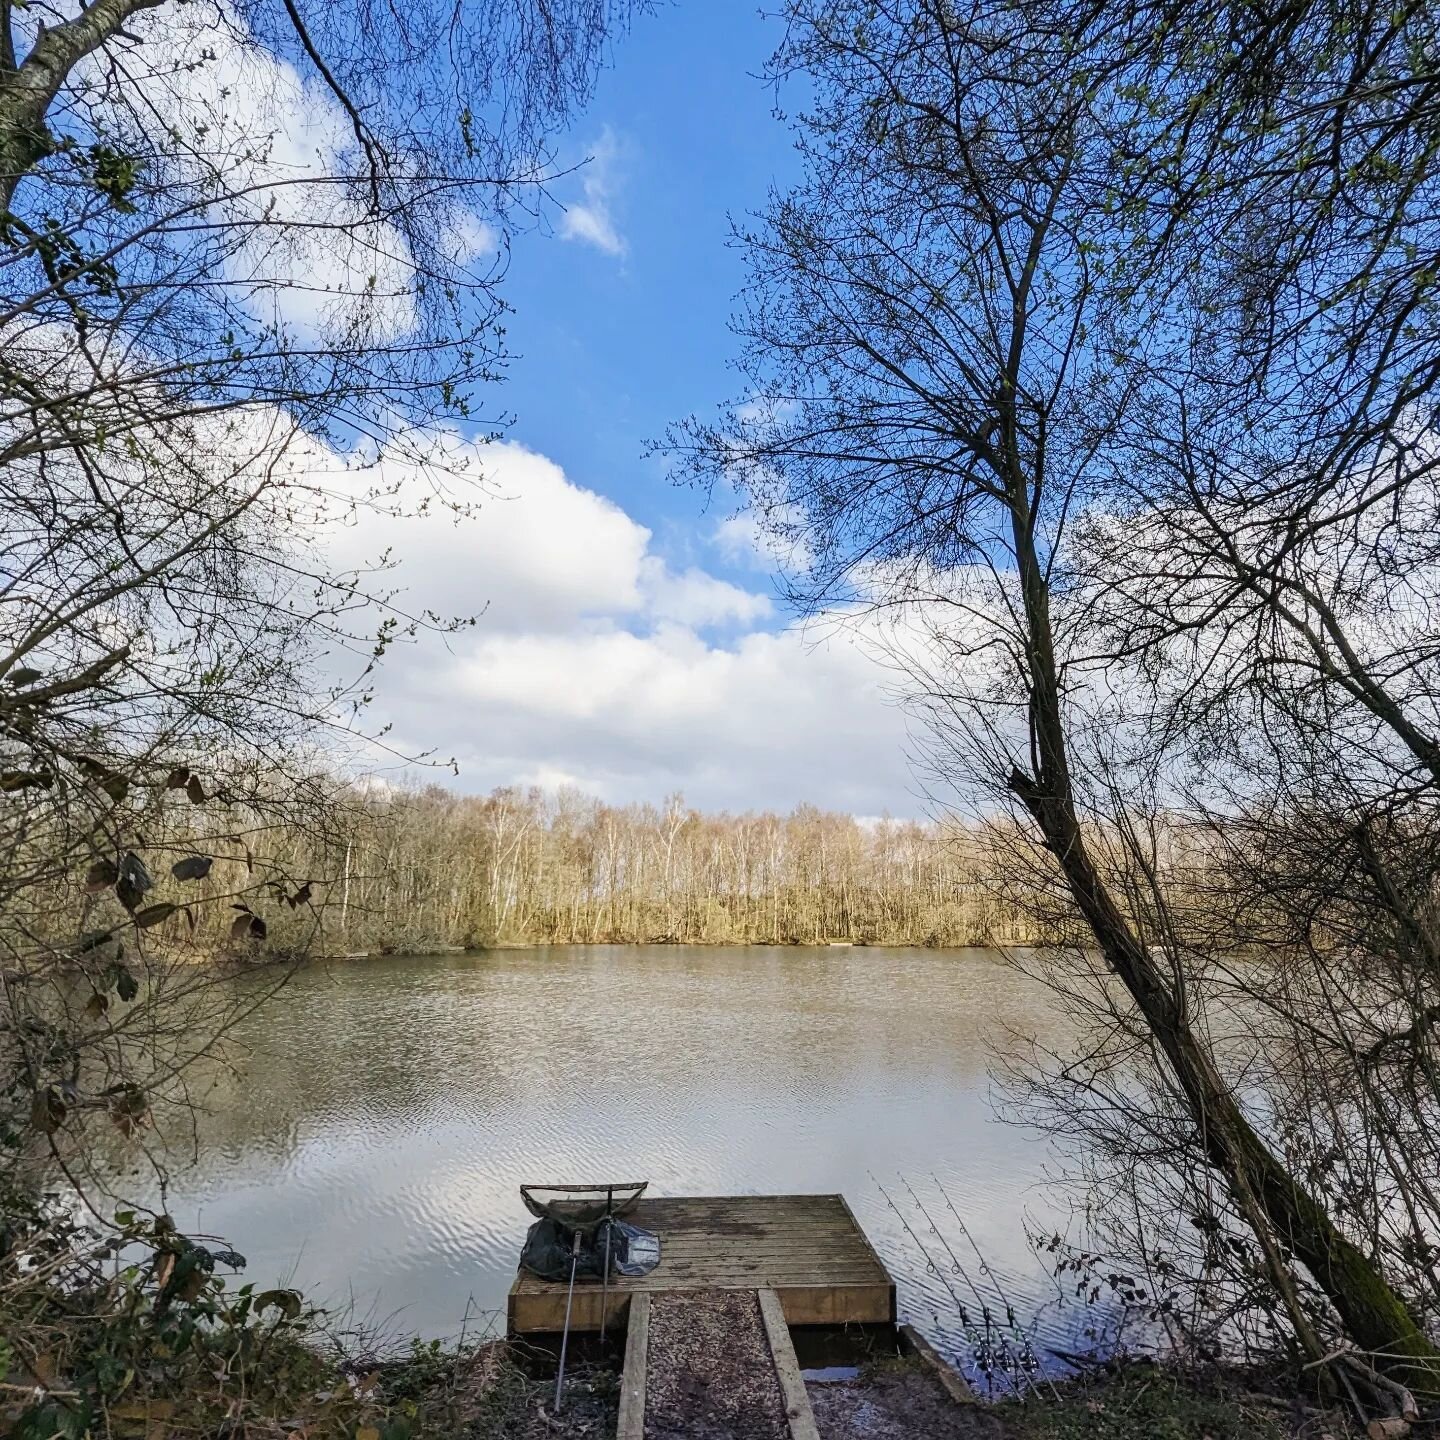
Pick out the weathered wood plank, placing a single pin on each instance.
(787, 1367)
(844, 1248)
(946, 1373)
(631, 1422)
(723, 1252)
(820, 1238)
(801, 1264)
(859, 1230)
(807, 1248)
(803, 1305)
(837, 1304)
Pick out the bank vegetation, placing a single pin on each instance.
(1091, 365)
(426, 869)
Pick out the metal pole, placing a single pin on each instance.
(565, 1338)
(605, 1278)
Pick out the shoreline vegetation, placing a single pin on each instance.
(387, 953)
(424, 871)
(171, 1348)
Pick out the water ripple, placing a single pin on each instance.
(371, 1142)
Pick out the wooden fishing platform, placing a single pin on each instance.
(806, 1249)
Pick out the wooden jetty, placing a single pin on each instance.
(757, 1263)
(806, 1249)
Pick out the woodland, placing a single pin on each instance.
(427, 870)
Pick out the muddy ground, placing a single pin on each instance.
(898, 1401)
(506, 1392)
(902, 1400)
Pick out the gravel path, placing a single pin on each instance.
(710, 1375)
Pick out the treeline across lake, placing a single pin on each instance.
(429, 869)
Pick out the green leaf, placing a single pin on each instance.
(53, 1420)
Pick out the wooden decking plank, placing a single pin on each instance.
(690, 1277)
(838, 1304)
(680, 1273)
(731, 1257)
(735, 1276)
(719, 1262)
(808, 1249)
(728, 1245)
(787, 1367)
(823, 1244)
(631, 1422)
(741, 1227)
(803, 1305)
(790, 1230)
(756, 1211)
(859, 1230)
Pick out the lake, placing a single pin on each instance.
(369, 1144)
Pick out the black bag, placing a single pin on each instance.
(550, 1247)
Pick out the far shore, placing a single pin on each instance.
(417, 954)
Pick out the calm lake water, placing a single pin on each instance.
(370, 1145)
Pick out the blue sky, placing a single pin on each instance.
(615, 346)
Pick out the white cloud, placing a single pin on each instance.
(694, 597)
(590, 220)
(276, 149)
(745, 539)
(597, 664)
(539, 555)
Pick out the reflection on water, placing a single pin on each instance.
(370, 1145)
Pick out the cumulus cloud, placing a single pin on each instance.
(276, 150)
(589, 220)
(597, 663)
(745, 539)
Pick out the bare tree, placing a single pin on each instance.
(249, 259)
(953, 328)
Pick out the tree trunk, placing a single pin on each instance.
(27, 90)
(1374, 1316)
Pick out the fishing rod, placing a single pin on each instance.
(609, 1223)
(565, 1337)
(1028, 1358)
(939, 1235)
(1008, 1363)
(982, 1349)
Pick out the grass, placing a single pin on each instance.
(1154, 1406)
